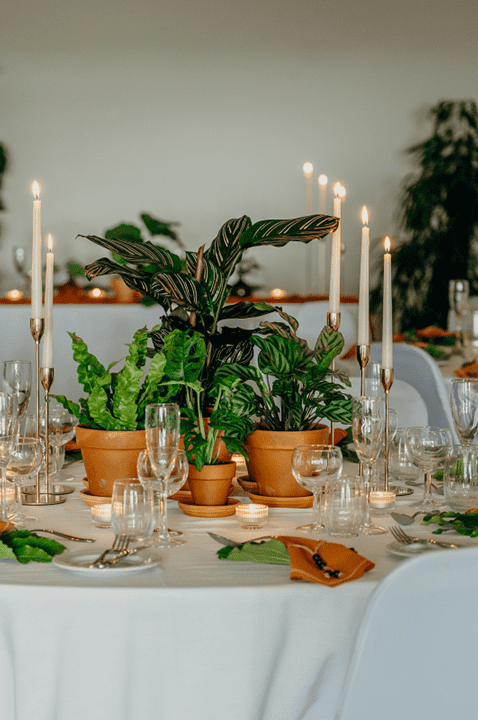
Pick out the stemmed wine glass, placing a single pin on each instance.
(464, 409)
(17, 380)
(25, 460)
(61, 429)
(428, 448)
(177, 479)
(162, 421)
(8, 433)
(368, 422)
(312, 467)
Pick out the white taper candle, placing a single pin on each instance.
(36, 284)
(387, 328)
(47, 346)
(363, 320)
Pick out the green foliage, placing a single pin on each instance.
(463, 524)
(195, 295)
(289, 389)
(117, 401)
(27, 546)
(438, 215)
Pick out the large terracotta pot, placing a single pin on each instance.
(109, 455)
(211, 485)
(270, 457)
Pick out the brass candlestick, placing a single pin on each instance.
(386, 377)
(333, 323)
(363, 356)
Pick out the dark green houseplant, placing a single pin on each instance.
(438, 217)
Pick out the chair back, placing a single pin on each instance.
(415, 653)
(409, 405)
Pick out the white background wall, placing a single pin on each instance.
(202, 110)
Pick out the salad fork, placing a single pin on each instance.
(120, 544)
(405, 539)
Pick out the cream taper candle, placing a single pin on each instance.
(334, 292)
(387, 328)
(363, 320)
(47, 348)
(36, 284)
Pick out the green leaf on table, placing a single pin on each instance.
(28, 546)
(6, 552)
(270, 551)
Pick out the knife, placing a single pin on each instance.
(233, 543)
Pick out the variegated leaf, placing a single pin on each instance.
(139, 253)
(213, 279)
(240, 310)
(280, 232)
(191, 261)
(329, 340)
(180, 289)
(134, 278)
(225, 249)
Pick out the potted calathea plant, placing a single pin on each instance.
(111, 431)
(289, 392)
(195, 295)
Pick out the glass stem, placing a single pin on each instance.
(427, 488)
(3, 499)
(17, 505)
(316, 511)
(366, 478)
(163, 514)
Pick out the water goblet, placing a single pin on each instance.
(176, 480)
(428, 448)
(61, 429)
(25, 461)
(162, 421)
(464, 409)
(17, 380)
(8, 433)
(313, 466)
(368, 421)
(132, 508)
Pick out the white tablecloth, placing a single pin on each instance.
(198, 637)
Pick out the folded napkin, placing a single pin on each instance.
(468, 371)
(434, 332)
(312, 560)
(5, 526)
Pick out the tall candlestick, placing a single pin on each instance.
(364, 322)
(323, 180)
(36, 284)
(334, 293)
(387, 328)
(47, 350)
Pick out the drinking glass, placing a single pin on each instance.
(464, 409)
(312, 467)
(177, 479)
(17, 380)
(373, 384)
(132, 508)
(401, 467)
(378, 471)
(61, 429)
(25, 460)
(428, 447)
(460, 488)
(162, 422)
(8, 432)
(368, 415)
(344, 506)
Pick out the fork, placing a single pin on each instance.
(405, 539)
(120, 544)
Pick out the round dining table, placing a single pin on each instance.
(190, 637)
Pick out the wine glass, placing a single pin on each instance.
(162, 421)
(464, 409)
(177, 479)
(132, 508)
(368, 420)
(428, 447)
(61, 429)
(25, 460)
(312, 467)
(8, 433)
(17, 380)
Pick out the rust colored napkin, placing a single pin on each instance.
(324, 562)
(468, 371)
(434, 332)
(5, 526)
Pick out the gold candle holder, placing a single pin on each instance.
(363, 356)
(387, 376)
(333, 323)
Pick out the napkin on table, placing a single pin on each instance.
(468, 371)
(312, 560)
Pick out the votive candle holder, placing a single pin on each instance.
(101, 515)
(252, 515)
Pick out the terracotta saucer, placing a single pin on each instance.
(181, 495)
(90, 499)
(247, 484)
(282, 502)
(209, 511)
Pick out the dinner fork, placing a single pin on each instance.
(120, 544)
(405, 539)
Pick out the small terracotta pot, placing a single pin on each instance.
(109, 455)
(211, 485)
(270, 458)
(223, 457)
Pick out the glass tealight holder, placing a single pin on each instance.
(381, 502)
(252, 515)
(101, 515)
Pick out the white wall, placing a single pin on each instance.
(202, 110)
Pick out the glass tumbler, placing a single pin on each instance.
(459, 487)
(344, 506)
(132, 508)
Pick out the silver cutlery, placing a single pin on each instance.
(233, 543)
(405, 539)
(62, 534)
(121, 554)
(120, 544)
(404, 519)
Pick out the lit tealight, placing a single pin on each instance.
(252, 515)
(101, 515)
(14, 295)
(96, 293)
(381, 501)
(277, 293)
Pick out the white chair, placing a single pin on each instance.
(419, 369)
(313, 316)
(409, 405)
(415, 654)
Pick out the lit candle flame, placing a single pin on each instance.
(364, 215)
(387, 244)
(49, 242)
(337, 187)
(323, 180)
(342, 191)
(308, 169)
(36, 190)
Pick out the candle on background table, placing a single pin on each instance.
(47, 349)
(36, 283)
(308, 169)
(323, 180)
(334, 293)
(364, 322)
(387, 327)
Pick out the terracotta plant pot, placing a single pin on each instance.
(109, 455)
(211, 485)
(270, 457)
(224, 455)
